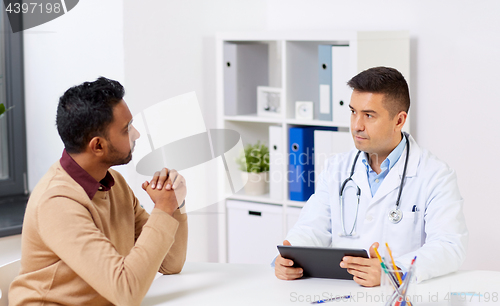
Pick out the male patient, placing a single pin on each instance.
(86, 239)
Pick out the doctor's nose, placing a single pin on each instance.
(357, 123)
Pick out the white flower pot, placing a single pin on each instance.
(257, 184)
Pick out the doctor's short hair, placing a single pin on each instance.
(387, 81)
(85, 111)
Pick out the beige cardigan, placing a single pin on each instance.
(77, 251)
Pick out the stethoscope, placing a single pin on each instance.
(395, 215)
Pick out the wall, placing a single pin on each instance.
(57, 55)
(454, 73)
(170, 50)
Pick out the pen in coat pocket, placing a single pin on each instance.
(414, 210)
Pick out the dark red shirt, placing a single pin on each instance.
(83, 178)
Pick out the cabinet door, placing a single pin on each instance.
(254, 231)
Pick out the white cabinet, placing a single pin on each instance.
(289, 61)
(254, 230)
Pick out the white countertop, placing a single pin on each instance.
(245, 284)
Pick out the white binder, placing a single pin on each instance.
(324, 108)
(341, 93)
(246, 66)
(277, 162)
(326, 145)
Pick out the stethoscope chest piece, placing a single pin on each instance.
(395, 215)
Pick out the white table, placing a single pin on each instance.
(240, 284)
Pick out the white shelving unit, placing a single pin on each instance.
(293, 66)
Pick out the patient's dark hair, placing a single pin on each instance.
(387, 81)
(85, 111)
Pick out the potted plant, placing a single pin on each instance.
(253, 161)
(2, 109)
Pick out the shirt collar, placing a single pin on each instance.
(83, 178)
(391, 159)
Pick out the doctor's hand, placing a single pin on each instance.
(366, 271)
(283, 268)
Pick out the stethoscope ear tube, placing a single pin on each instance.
(341, 192)
(395, 215)
(404, 171)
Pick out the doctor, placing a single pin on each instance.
(427, 221)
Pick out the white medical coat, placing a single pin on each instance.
(436, 233)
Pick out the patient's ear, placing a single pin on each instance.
(97, 146)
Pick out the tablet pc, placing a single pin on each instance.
(320, 262)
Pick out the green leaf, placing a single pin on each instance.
(2, 108)
(254, 158)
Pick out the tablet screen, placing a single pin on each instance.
(320, 262)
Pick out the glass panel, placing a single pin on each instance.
(4, 157)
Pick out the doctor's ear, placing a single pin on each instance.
(401, 119)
